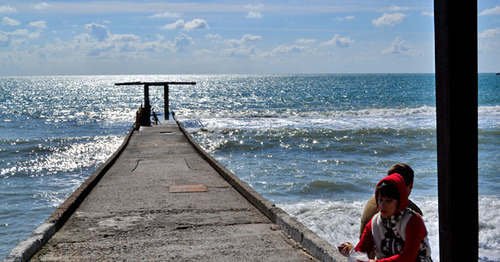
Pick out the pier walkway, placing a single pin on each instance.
(160, 199)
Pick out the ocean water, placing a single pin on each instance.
(316, 145)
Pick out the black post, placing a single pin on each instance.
(146, 114)
(145, 119)
(165, 94)
(146, 96)
(456, 110)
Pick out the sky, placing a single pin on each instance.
(228, 37)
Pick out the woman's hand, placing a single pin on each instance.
(345, 248)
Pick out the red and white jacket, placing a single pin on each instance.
(402, 237)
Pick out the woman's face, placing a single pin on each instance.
(387, 206)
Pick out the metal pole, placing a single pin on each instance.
(146, 115)
(456, 110)
(165, 94)
(146, 96)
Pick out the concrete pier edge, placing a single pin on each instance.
(27, 248)
(313, 244)
(316, 246)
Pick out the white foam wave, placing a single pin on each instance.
(286, 113)
(339, 221)
(423, 111)
(489, 110)
(336, 123)
(422, 117)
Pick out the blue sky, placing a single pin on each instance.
(192, 37)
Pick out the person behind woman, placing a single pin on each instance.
(395, 233)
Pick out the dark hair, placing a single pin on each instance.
(387, 189)
(404, 170)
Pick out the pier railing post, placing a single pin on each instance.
(165, 94)
(146, 113)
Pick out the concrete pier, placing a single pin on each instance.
(161, 198)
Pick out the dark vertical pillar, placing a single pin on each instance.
(165, 94)
(146, 114)
(146, 96)
(456, 108)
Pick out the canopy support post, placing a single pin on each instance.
(455, 28)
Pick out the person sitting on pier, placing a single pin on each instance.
(395, 233)
(155, 117)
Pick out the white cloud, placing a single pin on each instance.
(179, 24)
(7, 9)
(98, 50)
(97, 31)
(124, 38)
(213, 36)
(338, 41)
(397, 47)
(4, 39)
(305, 41)
(431, 14)
(17, 37)
(245, 39)
(10, 21)
(389, 19)
(38, 24)
(82, 46)
(124, 45)
(156, 46)
(254, 11)
(34, 35)
(490, 33)
(254, 15)
(284, 49)
(254, 7)
(492, 11)
(108, 42)
(349, 17)
(195, 24)
(40, 6)
(240, 51)
(251, 38)
(239, 46)
(488, 40)
(181, 42)
(204, 52)
(395, 8)
(20, 32)
(165, 15)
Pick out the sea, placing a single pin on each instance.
(315, 145)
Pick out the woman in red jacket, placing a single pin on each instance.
(395, 233)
